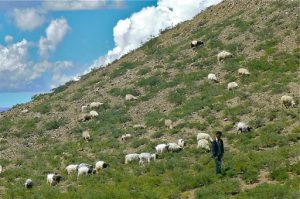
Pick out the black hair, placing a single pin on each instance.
(219, 133)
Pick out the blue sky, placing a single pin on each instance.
(44, 44)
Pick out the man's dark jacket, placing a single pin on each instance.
(217, 151)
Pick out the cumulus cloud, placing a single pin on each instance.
(8, 39)
(28, 19)
(132, 32)
(74, 4)
(19, 73)
(55, 33)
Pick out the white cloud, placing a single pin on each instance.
(8, 39)
(28, 19)
(132, 32)
(74, 4)
(55, 33)
(19, 73)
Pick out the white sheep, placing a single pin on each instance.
(232, 85)
(85, 170)
(94, 114)
(161, 148)
(174, 147)
(84, 108)
(100, 165)
(129, 97)
(181, 143)
(204, 136)
(196, 43)
(212, 77)
(242, 127)
(203, 143)
(95, 104)
(287, 101)
(147, 157)
(243, 71)
(1, 169)
(53, 179)
(169, 124)
(72, 168)
(223, 55)
(28, 184)
(126, 136)
(84, 117)
(139, 126)
(86, 135)
(131, 157)
(25, 111)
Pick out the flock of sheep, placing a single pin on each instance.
(203, 140)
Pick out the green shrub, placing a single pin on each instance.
(124, 67)
(42, 108)
(144, 71)
(177, 97)
(54, 124)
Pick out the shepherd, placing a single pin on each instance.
(218, 151)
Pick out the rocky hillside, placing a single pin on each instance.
(170, 80)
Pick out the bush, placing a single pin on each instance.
(54, 124)
(42, 108)
(177, 96)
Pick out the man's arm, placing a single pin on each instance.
(213, 149)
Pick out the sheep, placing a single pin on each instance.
(169, 124)
(232, 86)
(94, 114)
(126, 136)
(204, 136)
(25, 111)
(72, 168)
(129, 97)
(223, 55)
(287, 101)
(84, 165)
(174, 147)
(243, 127)
(28, 184)
(161, 148)
(53, 179)
(203, 143)
(95, 104)
(100, 165)
(146, 156)
(181, 143)
(86, 135)
(212, 77)
(243, 71)
(85, 170)
(196, 43)
(84, 117)
(139, 126)
(1, 169)
(131, 157)
(84, 108)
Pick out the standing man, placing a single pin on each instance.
(218, 151)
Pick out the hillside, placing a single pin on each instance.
(170, 79)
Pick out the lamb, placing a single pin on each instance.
(232, 86)
(131, 157)
(287, 101)
(84, 117)
(174, 147)
(100, 165)
(126, 136)
(204, 136)
(243, 127)
(203, 144)
(53, 179)
(72, 168)
(129, 97)
(85, 170)
(139, 126)
(95, 104)
(169, 124)
(196, 43)
(243, 71)
(28, 184)
(94, 114)
(161, 148)
(223, 55)
(212, 77)
(181, 143)
(86, 135)
(146, 156)
(84, 108)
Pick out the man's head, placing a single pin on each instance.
(218, 134)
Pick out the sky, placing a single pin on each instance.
(46, 43)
